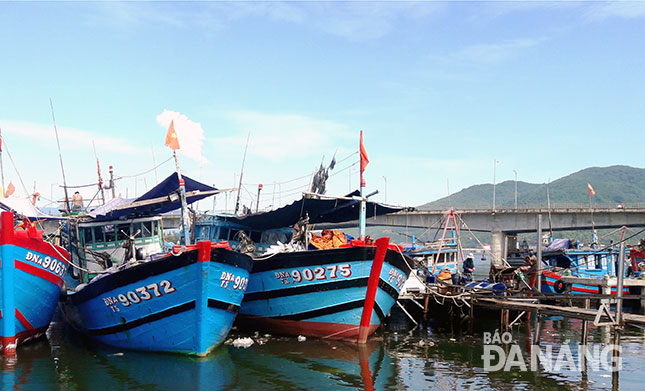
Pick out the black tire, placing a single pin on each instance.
(559, 286)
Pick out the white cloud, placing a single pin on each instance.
(356, 21)
(190, 134)
(70, 138)
(618, 9)
(278, 136)
(492, 53)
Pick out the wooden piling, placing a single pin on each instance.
(426, 304)
(537, 328)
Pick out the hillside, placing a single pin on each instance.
(613, 185)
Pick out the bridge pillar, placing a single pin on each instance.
(497, 247)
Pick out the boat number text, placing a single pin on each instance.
(48, 263)
(138, 295)
(397, 279)
(238, 282)
(318, 273)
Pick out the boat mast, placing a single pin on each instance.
(182, 194)
(361, 219)
(237, 201)
(60, 157)
(1, 166)
(98, 170)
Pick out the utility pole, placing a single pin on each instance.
(515, 172)
(495, 161)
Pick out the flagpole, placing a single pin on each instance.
(361, 224)
(182, 195)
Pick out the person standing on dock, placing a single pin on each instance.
(469, 267)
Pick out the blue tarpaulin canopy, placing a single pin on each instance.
(160, 199)
(319, 211)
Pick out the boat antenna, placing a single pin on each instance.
(60, 157)
(548, 206)
(237, 201)
(98, 170)
(154, 163)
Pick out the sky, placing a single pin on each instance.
(442, 91)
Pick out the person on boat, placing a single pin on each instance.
(469, 267)
(77, 202)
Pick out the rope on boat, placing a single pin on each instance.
(14, 167)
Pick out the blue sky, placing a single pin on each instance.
(441, 90)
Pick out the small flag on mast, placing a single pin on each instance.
(10, 189)
(364, 159)
(171, 137)
(591, 190)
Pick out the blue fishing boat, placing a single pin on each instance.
(337, 293)
(298, 289)
(566, 258)
(31, 277)
(183, 300)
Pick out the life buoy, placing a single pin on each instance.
(559, 286)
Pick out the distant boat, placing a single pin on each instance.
(316, 292)
(181, 301)
(564, 258)
(31, 277)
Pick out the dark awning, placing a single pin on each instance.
(319, 211)
(160, 199)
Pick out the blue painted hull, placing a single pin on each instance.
(175, 304)
(549, 280)
(321, 293)
(31, 272)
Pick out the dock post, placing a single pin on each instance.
(538, 247)
(619, 285)
(583, 341)
(426, 305)
(538, 329)
(615, 365)
(585, 327)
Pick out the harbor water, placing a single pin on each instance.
(443, 354)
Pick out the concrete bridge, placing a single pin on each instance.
(505, 224)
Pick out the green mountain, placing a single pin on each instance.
(613, 185)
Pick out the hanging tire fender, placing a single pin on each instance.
(559, 286)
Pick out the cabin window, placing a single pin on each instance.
(203, 233)
(256, 236)
(223, 233)
(123, 232)
(146, 229)
(234, 234)
(110, 235)
(98, 235)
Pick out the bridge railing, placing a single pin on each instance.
(554, 205)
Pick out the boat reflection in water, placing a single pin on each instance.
(314, 364)
(32, 369)
(69, 362)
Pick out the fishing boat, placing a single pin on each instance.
(31, 277)
(126, 289)
(295, 288)
(564, 257)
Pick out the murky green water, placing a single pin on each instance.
(445, 355)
